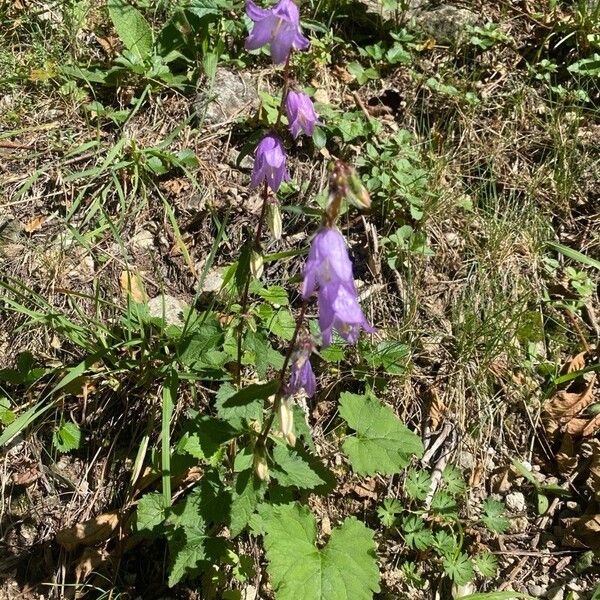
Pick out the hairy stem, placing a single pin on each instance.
(280, 389)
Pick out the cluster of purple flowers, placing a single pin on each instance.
(328, 269)
(280, 27)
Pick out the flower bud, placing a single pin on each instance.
(261, 468)
(357, 192)
(274, 219)
(256, 264)
(286, 416)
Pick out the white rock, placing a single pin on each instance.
(515, 502)
(168, 308)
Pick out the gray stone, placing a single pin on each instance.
(446, 24)
(515, 502)
(231, 95)
(168, 308)
(213, 281)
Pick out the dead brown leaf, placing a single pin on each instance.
(110, 44)
(35, 224)
(566, 457)
(436, 408)
(89, 561)
(26, 477)
(133, 284)
(90, 532)
(576, 363)
(583, 532)
(592, 427)
(564, 406)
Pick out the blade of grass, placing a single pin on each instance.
(169, 395)
(575, 255)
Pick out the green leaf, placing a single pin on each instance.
(291, 469)
(205, 436)
(459, 568)
(248, 490)
(455, 482)
(187, 552)
(382, 443)
(67, 437)
(444, 505)
(389, 511)
(345, 568)
(415, 533)
(444, 543)
(486, 563)
(131, 27)
(493, 516)
(576, 255)
(275, 295)
(240, 406)
(417, 484)
(151, 512)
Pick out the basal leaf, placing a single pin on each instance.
(150, 513)
(345, 568)
(382, 444)
(131, 27)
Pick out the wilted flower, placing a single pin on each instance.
(274, 218)
(269, 163)
(329, 268)
(302, 375)
(301, 113)
(278, 26)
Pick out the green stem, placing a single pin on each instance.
(168, 396)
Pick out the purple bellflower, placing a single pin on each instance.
(269, 163)
(302, 375)
(278, 26)
(329, 268)
(300, 113)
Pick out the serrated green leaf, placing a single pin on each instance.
(248, 490)
(150, 513)
(67, 437)
(291, 469)
(389, 511)
(444, 542)
(454, 480)
(493, 516)
(275, 295)
(459, 568)
(444, 504)
(238, 407)
(382, 443)
(417, 484)
(187, 554)
(131, 27)
(204, 436)
(486, 563)
(415, 533)
(209, 502)
(345, 568)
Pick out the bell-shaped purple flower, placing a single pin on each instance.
(300, 113)
(269, 163)
(302, 375)
(278, 26)
(339, 309)
(329, 269)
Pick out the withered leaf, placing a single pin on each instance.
(90, 532)
(583, 532)
(132, 284)
(566, 456)
(33, 225)
(89, 561)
